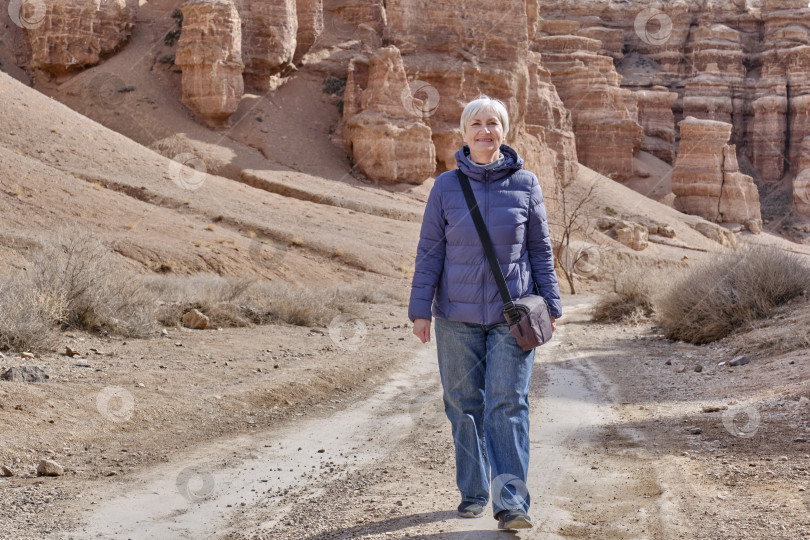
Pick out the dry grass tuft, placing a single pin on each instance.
(27, 317)
(630, 301)
(723, 295)
(94, 292)
(74, 282)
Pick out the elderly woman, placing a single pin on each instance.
(485, 374)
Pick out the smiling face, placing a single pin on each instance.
(484, 135)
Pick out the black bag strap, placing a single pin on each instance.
(508, 306)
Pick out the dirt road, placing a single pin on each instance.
(383, 468)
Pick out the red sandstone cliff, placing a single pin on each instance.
(590, 81)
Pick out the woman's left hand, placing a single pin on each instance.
(554, 324)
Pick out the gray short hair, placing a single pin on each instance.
(485, 102)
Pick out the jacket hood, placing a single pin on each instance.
(512, 162)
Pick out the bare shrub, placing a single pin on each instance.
(373, 294)
(631, 299)
(95, 294)
(27, 316)
(720, 296)
(241, 302)
(221, 299)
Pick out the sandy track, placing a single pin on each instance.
(384, 468)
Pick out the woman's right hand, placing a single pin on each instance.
(421, 329)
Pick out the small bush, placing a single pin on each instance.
(177, 15)
(723, 295)
(242, 302)
(171, 37)
(96, 295)
(333, 85)
(631, 299)
(27, 317)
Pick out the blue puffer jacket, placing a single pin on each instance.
(452, 274)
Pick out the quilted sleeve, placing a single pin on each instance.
(429, 256)
(541, 256)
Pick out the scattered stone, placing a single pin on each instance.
(804, 402)
(2, 356)
(164, 332)
(695, 431)
(800, 439)
(5, 471)
(71, 352)
(712, 409)
(196, 320)
(666, 231)
(680, 369)
(739, 361)
(606, 223)
(698, 368)
(754, 225)
(668, 363)
(27, 355)
(25, 374)
(632, 235)
(49, 467)
(82, 363)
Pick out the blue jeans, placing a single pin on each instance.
(485, 376)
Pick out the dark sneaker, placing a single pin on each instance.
(470, 510)
(511, 520)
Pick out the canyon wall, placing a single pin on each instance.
(453, 52)
(741, 62)
(69, 35)
(594, 81)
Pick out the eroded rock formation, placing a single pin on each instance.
(605, 116)
(706, 179)
(310, 26)
(269, 39)
(70, 35)
(454, 52)
(656, 118)
(388, 139)
(744, 62)
(801, 183)
(209, 53)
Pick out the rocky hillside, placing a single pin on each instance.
(338, 114)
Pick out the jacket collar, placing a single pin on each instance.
(512, 162)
